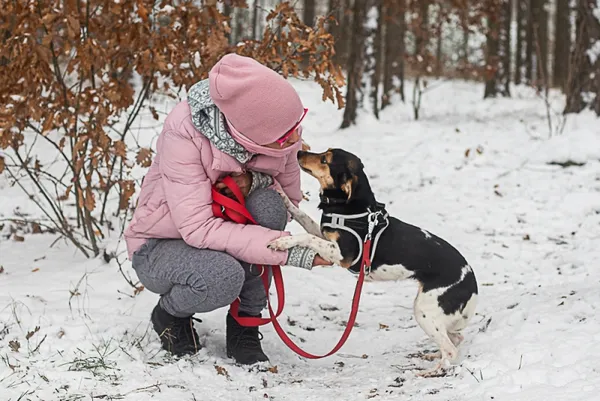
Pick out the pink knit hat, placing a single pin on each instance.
(259, 104)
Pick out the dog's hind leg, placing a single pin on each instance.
(311, 226)
(433, 321)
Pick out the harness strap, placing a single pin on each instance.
(340, 222)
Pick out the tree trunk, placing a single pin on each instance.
(336, 10)
(543, 39)
(498, 49)
(309, 12)
(395, 33)
(540, 42)
(228, 12)
(464, 16)
(522, 18)
(255, 19)
(562, 44)
(239, 24)
(355, 63)
(378, 58)
(529, 44)
(585, 74)
(343, 31)
(422, 33)
(438, 51)
(505, 46)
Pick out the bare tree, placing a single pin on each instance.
(255, 10)
(377, 56)
(529, 43)
(522, 20)
(395, 33)
(562, 44)
(309, 12)
(584, 83)
(539, 23)
(355, 64)
(341, 29)
(439, 31)
(498, 48)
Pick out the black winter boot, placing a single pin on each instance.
(177, 334)
(243, 343)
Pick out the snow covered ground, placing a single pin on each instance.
(475, 172)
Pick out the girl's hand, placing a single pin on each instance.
(319, 261)
(244, 181)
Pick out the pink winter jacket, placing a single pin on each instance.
(175, 199)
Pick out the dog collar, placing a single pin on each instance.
(332, 201)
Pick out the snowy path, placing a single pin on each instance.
(529, 229)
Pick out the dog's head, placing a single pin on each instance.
(335, 169)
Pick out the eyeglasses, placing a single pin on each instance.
(281, 141)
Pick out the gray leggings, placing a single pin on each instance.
(192, 280)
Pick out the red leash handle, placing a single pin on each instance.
(228, 209)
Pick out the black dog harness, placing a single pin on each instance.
(368, 225)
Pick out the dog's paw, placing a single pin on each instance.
(281, 244)
(332, 253)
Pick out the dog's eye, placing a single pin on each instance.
(323, 160)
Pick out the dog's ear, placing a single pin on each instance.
(355, 165)
(348, 183)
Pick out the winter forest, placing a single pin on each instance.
(478, 121)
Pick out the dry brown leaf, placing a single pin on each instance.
(144, 157)
(90, 200)
(36, 228)
(383, 326)
(127, 191)
(154, 113)
(120, 149)
(48, 124)
(142, 10)
(66, 194)
(222, 371)
(138, 289)
(31, 333)
(37, 269)
(18, 238)
(14, 345)
(273, 369)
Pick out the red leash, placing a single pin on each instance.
(236, 211)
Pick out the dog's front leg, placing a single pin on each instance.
(328, 250)
(311, 226)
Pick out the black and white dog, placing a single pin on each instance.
(447, 295)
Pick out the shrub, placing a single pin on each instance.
(75, 76)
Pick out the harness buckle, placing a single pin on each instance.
(372, 220)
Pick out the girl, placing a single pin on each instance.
(243, 121)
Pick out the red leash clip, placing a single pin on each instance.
(229, 209)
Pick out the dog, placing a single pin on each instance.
(447, 293)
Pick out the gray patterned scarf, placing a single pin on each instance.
(209, 120)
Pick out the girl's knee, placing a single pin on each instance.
(268, 209)
(225, 284)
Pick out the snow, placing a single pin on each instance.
(529, 229)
